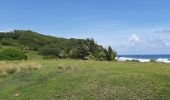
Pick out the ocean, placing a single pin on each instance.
(153, 57)
(145, 58)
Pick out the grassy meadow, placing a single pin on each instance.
(85, 80)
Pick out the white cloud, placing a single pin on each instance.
(159, 42)
(163, 31)
(134, 39)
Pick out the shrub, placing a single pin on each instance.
(80, 52)
(50, 50)
(62, 55)
(12, 54)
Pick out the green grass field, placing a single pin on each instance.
(88, 80)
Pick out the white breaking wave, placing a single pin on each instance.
(123, 59)
(131, 59)
(144, 60)
(163, 60)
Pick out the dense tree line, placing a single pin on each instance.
(58, 47)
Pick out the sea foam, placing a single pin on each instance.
(163, 60)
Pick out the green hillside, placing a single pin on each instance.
(54, 47)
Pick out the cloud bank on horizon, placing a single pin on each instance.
(130, 27)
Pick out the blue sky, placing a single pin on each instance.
(129, 26)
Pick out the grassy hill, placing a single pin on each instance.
(88, 80)
(54, 47)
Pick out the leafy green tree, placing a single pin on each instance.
(110, 54)
(80, 52)
(92, 46)
(99, 54)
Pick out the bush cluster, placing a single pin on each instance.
(12, 54)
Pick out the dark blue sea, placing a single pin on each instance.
(154, 57)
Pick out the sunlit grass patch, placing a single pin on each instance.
(11, 68)
(29, 65)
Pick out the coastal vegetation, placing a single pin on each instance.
(52, 47)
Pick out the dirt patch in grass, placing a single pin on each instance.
(64, 67)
